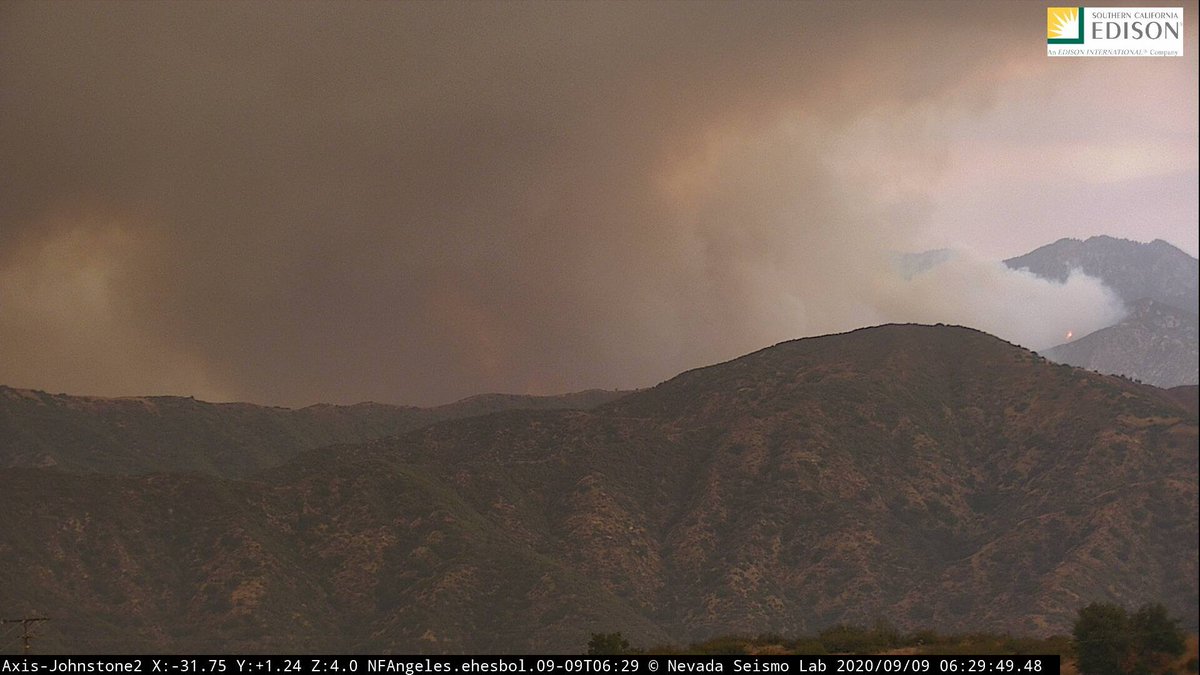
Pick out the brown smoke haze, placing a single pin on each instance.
(414, 202)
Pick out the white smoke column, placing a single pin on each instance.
(1012, 304)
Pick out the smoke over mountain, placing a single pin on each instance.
(413, 202)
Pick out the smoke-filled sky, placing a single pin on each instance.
(414, 202)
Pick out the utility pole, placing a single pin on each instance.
(26, 634)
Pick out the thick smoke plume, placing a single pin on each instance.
(410, 202)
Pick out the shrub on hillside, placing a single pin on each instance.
(1110, 641)
(607, 644)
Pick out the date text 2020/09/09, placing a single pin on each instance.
(629, 665)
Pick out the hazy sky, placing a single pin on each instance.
(413, 202)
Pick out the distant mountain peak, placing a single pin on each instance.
(1132, 269)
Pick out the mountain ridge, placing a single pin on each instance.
(140, 434)
(931, 475)
(1132, 269)
(1157, 341)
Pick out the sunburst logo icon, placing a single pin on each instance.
(1064, 25)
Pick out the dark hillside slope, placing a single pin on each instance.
(932, 476)
(1187, 396)
(169, 433)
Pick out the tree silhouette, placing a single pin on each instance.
(1101, 639)
(607, 644)
(1108, 641)
(1157, 638)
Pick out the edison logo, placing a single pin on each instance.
(1064, 25)
(1114, 31)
